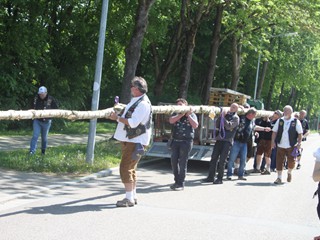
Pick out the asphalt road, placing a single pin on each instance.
(48, 207)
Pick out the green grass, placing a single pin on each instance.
(64, 160)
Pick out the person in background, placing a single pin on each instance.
(182, 142)
(287, 134)
(264, 146)
(316, 177)
(42, 101)
(239, 147)
(134, 133)
(306, 131)
(249, 146)
(224, 140)
(276, 115)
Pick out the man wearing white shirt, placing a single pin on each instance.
(134, 133)
(287, 134)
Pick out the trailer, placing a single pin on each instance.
(204, 140)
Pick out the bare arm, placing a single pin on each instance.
(273, 139)
(316, 172)
(194, 124)
(299, 140)
(175, 118)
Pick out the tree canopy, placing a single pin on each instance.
(182, 48)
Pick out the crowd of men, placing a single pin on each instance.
(278, 141)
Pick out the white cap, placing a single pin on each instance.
(42, 89)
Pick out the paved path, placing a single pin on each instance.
(23, 142)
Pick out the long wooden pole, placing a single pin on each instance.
(212, 111)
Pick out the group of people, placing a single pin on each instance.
(279, 136)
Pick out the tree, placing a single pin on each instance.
(133, 50)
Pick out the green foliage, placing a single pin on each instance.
(54, 43)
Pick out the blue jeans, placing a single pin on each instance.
(43, 128)
(240, 149)
(179, 160)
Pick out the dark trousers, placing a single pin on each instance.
(179, 160)
(218, 157)
(273, 158)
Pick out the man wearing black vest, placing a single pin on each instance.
(226, 127)
(134, 133)
(182, 135)
(42, 126)
(240, 146)
(287, 134)
(306, 131)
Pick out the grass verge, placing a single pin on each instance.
(64, 160)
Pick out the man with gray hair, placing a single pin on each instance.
(287, 134)
(134, 133)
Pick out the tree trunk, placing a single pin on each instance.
(191, 32)
(172, 54)
(280, 96)
(236, 62)
(133, 51)
(271, 88)
(292, 96)
(186, 68)
(213, 54)
(263, 77)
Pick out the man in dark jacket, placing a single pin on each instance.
(42, 125)
(226, 127)
(242, 136)
(182, 135)
(306, 131)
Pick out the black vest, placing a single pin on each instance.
(293, 135)
(182, 130)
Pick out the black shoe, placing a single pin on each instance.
(176, 187)
(218, 181)
(242, 178)
(173, 187)
(206, 180)
(298, 166)
(229, 178)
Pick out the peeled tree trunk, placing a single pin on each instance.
(212, 111)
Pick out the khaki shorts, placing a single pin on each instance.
(264, 147)
(282, 153)
(127, 165)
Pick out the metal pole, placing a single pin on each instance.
(257, 77)
(97, 82)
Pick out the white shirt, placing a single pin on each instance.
(285, 142)
(141, 115)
